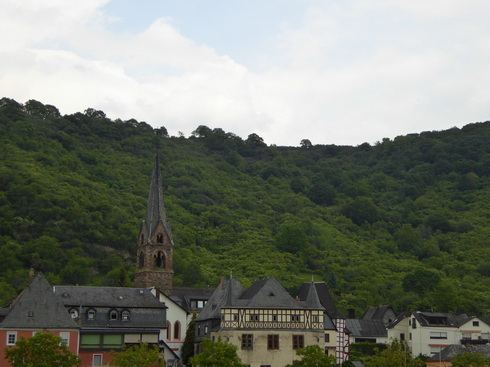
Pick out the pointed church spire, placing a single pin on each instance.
(154, 249)
(156, 209)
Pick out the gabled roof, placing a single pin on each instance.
(376, 313)
(183, 295)
(267, 293)
(366, 328)
(227, 292)
(448, 353)
(38, 307)
(324, 296)
(107, 297)
(434, 319)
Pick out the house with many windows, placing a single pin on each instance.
(429, 333)
(91, 321)
(266, 324)
(36, 309)
(111, 317)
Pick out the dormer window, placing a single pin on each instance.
(91, 315)
(73, 313)
(125, 315)
(113, 315)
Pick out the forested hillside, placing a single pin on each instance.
(404, 222)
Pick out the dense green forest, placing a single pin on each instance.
(403, 221)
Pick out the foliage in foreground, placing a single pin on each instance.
(396, 355)
(470, 360)
(313, 356)
(141, 355)
(216, 354)
(41, 350)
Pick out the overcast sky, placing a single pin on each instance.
(338, 72)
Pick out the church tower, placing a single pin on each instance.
(154, 249)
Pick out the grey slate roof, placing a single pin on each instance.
(312, 299)
(156, 209)
(38, 307)
(324, 296)
(146, 311)
(366, 328)
(264, 293)
(375, 313)
(183, 295)
(448, 353)
(427, 318)
(107, 297)
(229, 290)
(268, 293)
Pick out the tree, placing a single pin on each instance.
(190, 336)
(361, 210)
(216, 354)
(468, 359)
(305, 144)
(421, 280)
(141, 355)
(313, 356)
(396, 355)
(291, 238)
(42, 350)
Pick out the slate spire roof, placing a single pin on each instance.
(156, 208)
(312, 299)
(38, 307)
(324, 296)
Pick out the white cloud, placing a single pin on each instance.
(345, 74)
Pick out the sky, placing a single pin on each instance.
(340, 72)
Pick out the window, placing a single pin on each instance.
(247, 341)
(159, 259)
(197, 303)
(476, 323)
(294, 318)
(125, 315)
(327, 338)
(316, 318)
(91, 314)
(73, 313)
(402, 336)
(97, 360)
(414, 323)
(274, 317)
(11, 337)
(65, 338)
(438, 335)
(206, 330)
(273, 341)
(298, 341)
(90, 340)
(141, 260)
(113, 315)
(254, 317)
